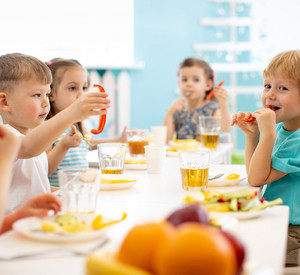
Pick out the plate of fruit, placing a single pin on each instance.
(65, 228)
(182, 243)
(227, 179)
(242, 204)
(135, 163)
(116, 182)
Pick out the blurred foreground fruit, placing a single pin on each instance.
(107, 264)
(195, 249)
(239, 248)
(190, 213)
(141, 243)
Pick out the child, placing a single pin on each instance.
(70, 81)
(37, 206)
(196, 79)
(24, 105)
(272, 153)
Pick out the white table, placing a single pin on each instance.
(221, 155)
(154, 197)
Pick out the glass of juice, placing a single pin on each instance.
(210, 127)
(111, 157)
(137, 139)
(194, 165)
(79, 190)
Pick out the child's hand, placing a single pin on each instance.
(73, 138)
(266, 120)
(240, 119)
(89, 104)
(177, 105)
(39, 206)
(9, 145)
(221, 95)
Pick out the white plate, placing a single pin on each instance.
(242, 215)
(129, 166)
(30, 228)
(172, 153)
(223, 182)
(118, 186)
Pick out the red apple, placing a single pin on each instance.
(239, 248)
(190, 213)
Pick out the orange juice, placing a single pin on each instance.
(137, 147)
(194, 179)
(210, 141)
(112, 171)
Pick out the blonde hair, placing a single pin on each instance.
(18, 67)
(286, 63)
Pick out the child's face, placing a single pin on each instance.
(28, 105)
(283, 97)
(193, 83)
(72, 85)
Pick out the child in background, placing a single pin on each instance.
(196, 79)
(24, 105)
(37, 206)
(272, 152)
(70, 81)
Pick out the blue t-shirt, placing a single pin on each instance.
(286, 158)
(76, 158)
(187, 122)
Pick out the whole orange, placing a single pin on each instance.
(141, 243)
(195, 249)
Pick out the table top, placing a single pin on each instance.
(153, 197)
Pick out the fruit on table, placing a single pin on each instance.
(112, 181)
(190, 213)
(99, 222)
(239, 249)
(195, 249)
(65, 219)
(98, 264)
(232, 177)
(141, 243)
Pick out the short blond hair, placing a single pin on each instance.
(286, 63)
(18, 67)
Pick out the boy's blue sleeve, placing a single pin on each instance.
(287, 157)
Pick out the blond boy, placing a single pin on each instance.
(24, 105)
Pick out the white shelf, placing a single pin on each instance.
(232, 21)
(228, 46)
(238, 67)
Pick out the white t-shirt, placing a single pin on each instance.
(29, 178)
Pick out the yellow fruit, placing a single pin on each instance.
(195, 249)
(48, 226)
(232, 177)
(112, 181)
(107, 264)
(211, 194)
(99, 223)
(76, 227)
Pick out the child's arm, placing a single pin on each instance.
(57, 153)
(177, 105)
(38, 206)
(94, 142)
(260, 169)
(42, 136)
(222, 97)
(9, 146)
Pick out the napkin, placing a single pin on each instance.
(13, 244)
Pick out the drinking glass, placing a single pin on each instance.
(111, 157)
(194, 165)
(137, 139)
(210, 127)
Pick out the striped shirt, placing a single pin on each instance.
(76, 158)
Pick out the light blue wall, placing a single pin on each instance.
(164, 34)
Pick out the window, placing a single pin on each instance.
(99, 33)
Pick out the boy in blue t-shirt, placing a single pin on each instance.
(272, 153)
